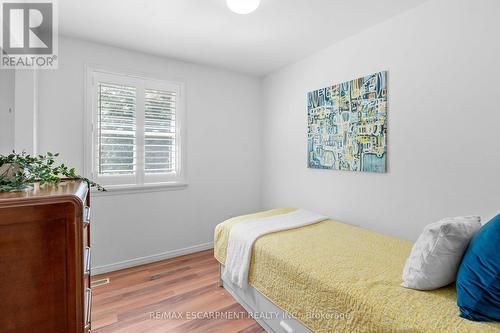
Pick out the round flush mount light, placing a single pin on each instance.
(243, 6)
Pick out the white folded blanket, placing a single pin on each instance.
(243, 235)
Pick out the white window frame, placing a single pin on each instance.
(140, 181)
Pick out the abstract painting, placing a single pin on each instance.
(347, 125)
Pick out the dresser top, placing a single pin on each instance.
(66, 188)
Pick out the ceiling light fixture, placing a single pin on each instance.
(243, 6)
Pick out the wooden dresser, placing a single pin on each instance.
(45, 259)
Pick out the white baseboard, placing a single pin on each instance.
(149, 259)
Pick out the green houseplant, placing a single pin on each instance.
(18, 172)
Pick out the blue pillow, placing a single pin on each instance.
(478, 277)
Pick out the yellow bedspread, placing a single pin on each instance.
(334, 277)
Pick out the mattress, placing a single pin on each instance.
(334, 277)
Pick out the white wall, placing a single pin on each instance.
(443, 157)
(223, 152)
(442, 59)
(7, 82)
(26, 113)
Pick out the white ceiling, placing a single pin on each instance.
(278, 33)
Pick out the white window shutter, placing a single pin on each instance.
(137, 139)
(116, 146)
(159, 131)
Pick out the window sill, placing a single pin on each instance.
(134, 189)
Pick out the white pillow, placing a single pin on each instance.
(435, 257)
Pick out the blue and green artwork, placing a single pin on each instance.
(347, 125)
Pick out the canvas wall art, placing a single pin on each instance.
(347, 125)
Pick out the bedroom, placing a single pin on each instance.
(243, 100)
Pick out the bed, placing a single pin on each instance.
(334, 277)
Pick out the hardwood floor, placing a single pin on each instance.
(175, 295)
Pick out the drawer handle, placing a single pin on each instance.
(88, 305)
(86, 216)
(86, 260)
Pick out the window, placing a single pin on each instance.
(135, 127)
